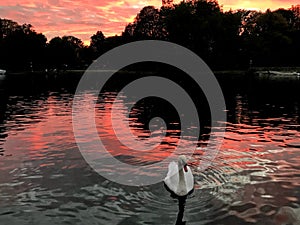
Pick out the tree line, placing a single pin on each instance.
(224, 39)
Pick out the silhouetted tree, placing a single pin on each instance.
(96, 43)
(270, 39)
(112, 42)
(7, 27)
(86, 56)
(198, 25)
(21, 48)
(296, 12)
(167, 3)
(227, 47)
(147, 25)
(180, 22)
(65, 52)
(295, 36)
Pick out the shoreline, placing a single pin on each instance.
(256, 72)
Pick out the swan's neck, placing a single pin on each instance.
(181, 184)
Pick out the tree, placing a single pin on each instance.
(65, 51)
(198, 25)
(269, 39)
(96, 43)
(206, 8)
(248, 21)
(180, 22)
(21, 47)
(167, 3)
(226, 50)
(296, 11)
(7, 27)
(147, 25)
(295, 36)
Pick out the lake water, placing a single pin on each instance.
(45, 180)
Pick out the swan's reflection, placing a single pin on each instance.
(181, 205)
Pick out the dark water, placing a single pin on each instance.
(45, 180)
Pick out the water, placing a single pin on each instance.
(45, 180)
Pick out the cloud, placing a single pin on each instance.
(258, 4)
(73, 17)
(83, 18)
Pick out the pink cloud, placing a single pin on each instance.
(72, 17)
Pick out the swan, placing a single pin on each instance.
(179, 179)
(287, 215)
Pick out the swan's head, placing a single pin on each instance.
(285, 215)
(182, 162)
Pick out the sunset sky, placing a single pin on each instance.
(83, 18)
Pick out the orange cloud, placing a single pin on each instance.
(83, 18)
(257, 4)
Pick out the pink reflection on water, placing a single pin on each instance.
(107, 134)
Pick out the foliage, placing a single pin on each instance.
(148, 24)
(225, 40)
(64, 52)
(20, 46)
(97, 41)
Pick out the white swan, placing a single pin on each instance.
(288, 215)
(179, 179)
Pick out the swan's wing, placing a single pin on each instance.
(189, 180)
(173, 169)
(172, 178)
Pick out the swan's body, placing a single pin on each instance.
(287, 215)
(179, 179)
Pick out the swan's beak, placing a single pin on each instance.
(185, 168)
